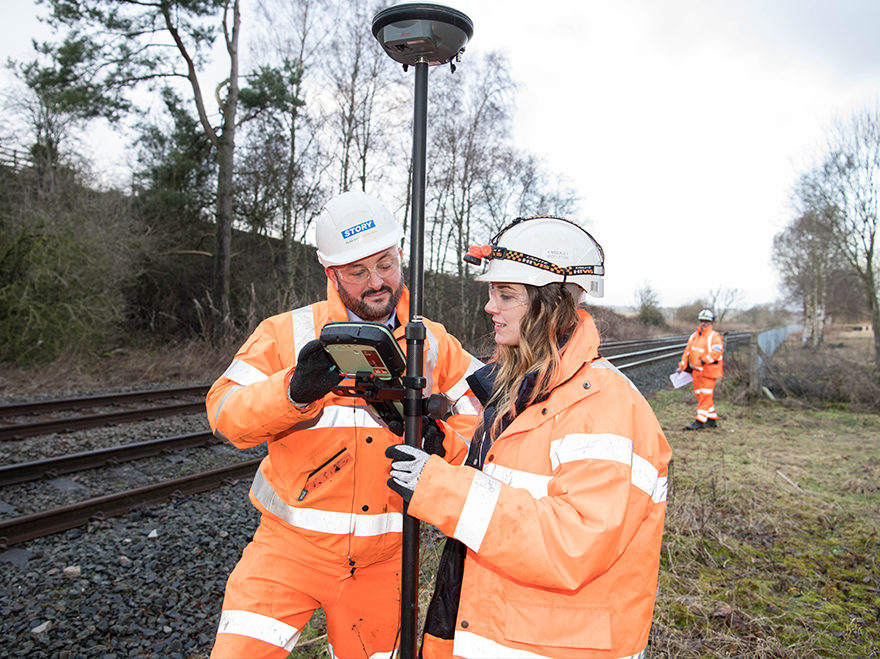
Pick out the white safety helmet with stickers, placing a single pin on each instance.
(706, 314)
(353, 226)
(541, 250)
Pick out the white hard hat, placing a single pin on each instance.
(352, 226)
(706, 314)
(542, 250)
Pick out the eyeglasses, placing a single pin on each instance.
(361, 274)
(506, 298)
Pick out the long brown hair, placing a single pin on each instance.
(550, 319)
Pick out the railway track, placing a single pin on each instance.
(631, 354)
(21, 420)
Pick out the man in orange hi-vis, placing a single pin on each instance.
(703, 358)
(330, 535)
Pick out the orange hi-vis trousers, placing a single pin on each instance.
(275, 588)
(704, 389)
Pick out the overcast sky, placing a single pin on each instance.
(681, 123)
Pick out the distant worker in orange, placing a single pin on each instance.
(703, 359)
(330, 535)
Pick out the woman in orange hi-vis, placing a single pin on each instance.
(330, 532)
(556, 519)
(703, 358)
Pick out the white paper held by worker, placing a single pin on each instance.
(680, 379)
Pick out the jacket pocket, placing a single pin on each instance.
(325, 472)
(587, 627)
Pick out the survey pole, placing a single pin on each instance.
(420, 35)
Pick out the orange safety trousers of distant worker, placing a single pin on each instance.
(704, 389)
(265, 620)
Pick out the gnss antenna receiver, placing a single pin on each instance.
(417, 34)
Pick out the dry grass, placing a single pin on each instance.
(840, 372)
(123, 368)
(771, 538)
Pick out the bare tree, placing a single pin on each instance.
(520, 186)
(848, 184)
(803, 256)
(366, 104)
(723, 300)
(469, 133)
(284, 139)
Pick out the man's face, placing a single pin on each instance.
(371, 287)
(705, 323)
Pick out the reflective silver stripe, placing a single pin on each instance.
(534, 483)
(709, 347)
(260, 627)
(303, 322)
(341, 416)
(608, 366)
(433, 352)
(243, 373)
(646, 477)
(472, 646)
(477, 511)
(375, 655)
(661, 490)
(458, 390)
(324, 521)
(223, 401)
(467, 405)
(579, 446)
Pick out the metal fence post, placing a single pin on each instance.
(754, 372)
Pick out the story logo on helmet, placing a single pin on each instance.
(358, 229)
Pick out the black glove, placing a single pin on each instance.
(432, 435)
(315, 374)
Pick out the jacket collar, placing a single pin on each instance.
(582, 347)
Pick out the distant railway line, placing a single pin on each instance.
(21, 420)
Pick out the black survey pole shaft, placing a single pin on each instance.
(415, 380)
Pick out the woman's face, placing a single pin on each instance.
(507, 305)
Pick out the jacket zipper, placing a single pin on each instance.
(302, 494)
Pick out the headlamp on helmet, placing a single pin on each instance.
(541, 250)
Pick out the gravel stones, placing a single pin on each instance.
(145, 584)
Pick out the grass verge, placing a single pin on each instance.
(770, 546)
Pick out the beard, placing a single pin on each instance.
(367, 310)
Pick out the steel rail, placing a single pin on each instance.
(22, 430)
(639, 353)
(66, 464)
(28, 527)
(658, 358)
(38, 407)
(632, 342)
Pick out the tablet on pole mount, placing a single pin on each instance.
(417, 34)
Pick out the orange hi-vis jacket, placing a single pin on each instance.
(564, 523)
(324, 478)
(704, 352)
